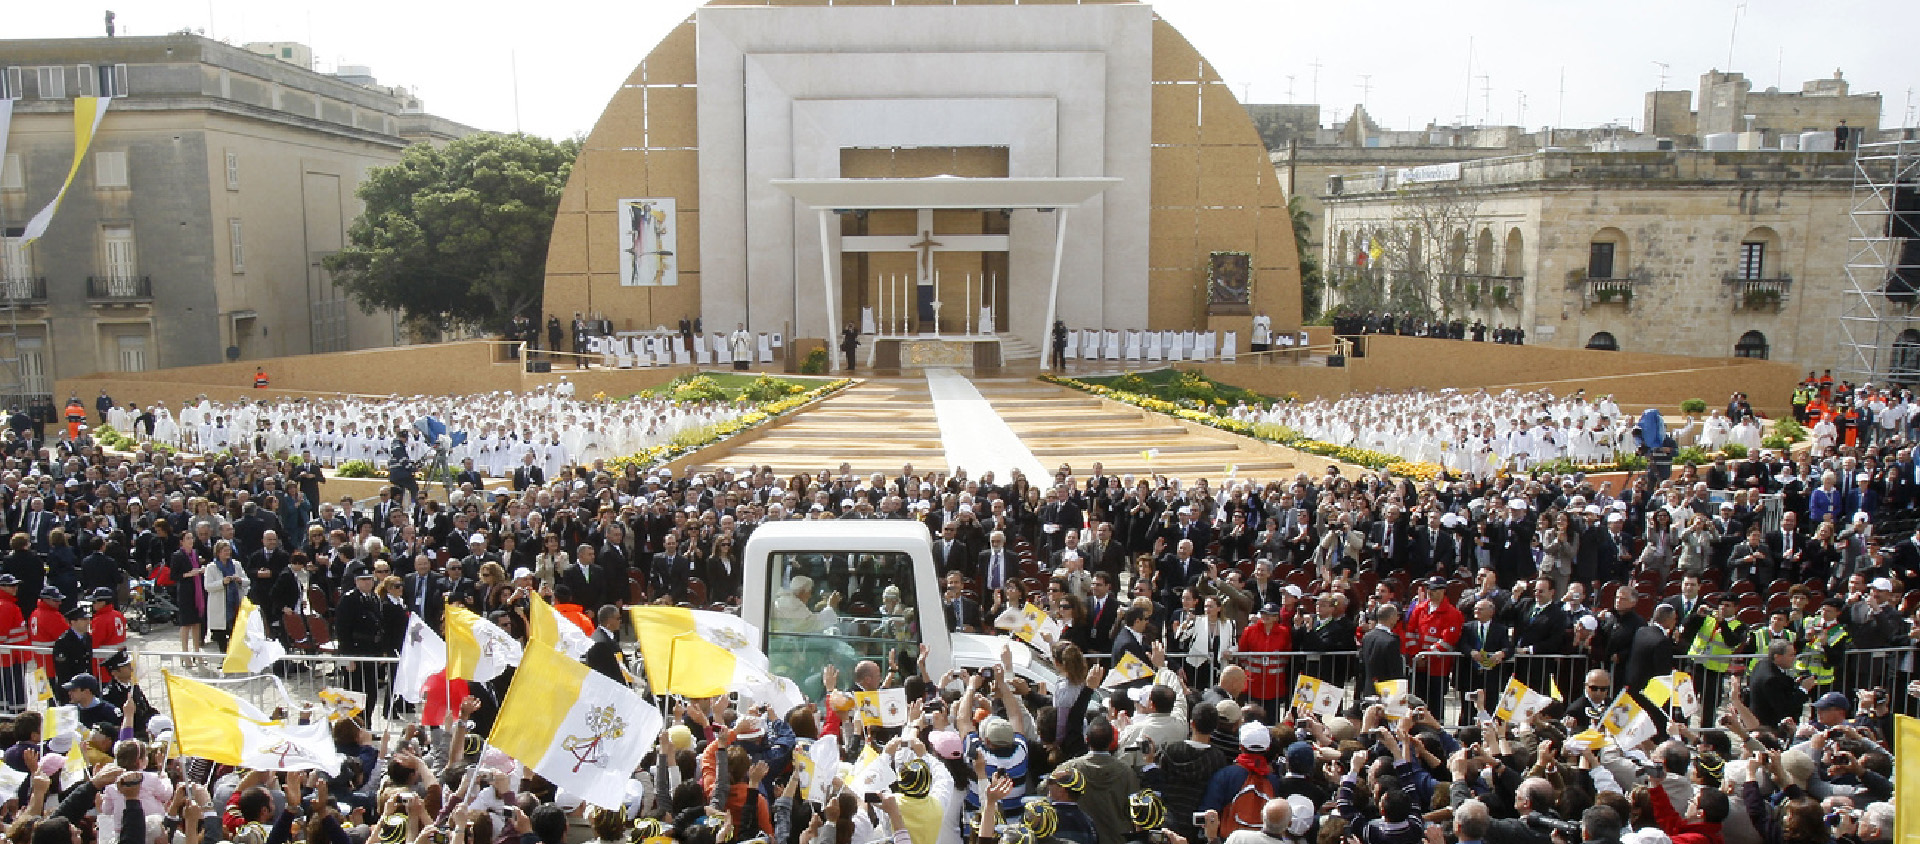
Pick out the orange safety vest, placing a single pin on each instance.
(260, 379)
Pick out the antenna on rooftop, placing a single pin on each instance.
(1365, 86)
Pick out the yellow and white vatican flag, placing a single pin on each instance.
(544, 625)
(695, 653)
(1626, 723)
(422, 654)
(1312, 694)
(1127, 670)
(583, 732)
(1518, 704)
(213, 724)
(39, 691)
(87, 113)
(477, 649)
(1675, 690)
(251, 650)
(1906, 778)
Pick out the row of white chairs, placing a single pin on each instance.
(672, 350)
(1116, 344)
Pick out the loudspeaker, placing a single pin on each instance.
(540, 366)
(1336, 360)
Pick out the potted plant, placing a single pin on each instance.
(1756, 298)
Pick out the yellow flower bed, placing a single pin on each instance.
(699, 438)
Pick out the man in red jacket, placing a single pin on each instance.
(1266, 675)
(46, 625)
(1701, 823)
(13, 633)
(1433, 624)
(108, 628)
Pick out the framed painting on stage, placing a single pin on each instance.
(1230, 283)
(647, 243)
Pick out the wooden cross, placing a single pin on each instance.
(925, 247)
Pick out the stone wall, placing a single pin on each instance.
(443, 369)
(1635, 380)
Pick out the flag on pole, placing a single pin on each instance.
(1626, 723)
(1312, 694)
(1906, 779)
(580, 730)
(213, 724)
(477, 649)
(1675, 690)
(1518, 704)
(423, 654)
(251, 650)
(544, 625)
(697, 653)
(87, 113)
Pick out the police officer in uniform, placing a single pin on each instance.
(122, 692)
(73, 651)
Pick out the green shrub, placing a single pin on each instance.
(354, 469)
(815, 363)
(768, 388)
(1734, 451)
(1789, 430)
(1693, 407)
(1774, 442)
(1132, 383)
(1629, 461)
(1692, 455)
(696, 388)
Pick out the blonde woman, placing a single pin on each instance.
(226, 584)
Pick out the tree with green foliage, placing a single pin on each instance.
(1310, 280)
(457, 235)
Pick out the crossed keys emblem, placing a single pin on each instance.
(603, 725)
(285, 749)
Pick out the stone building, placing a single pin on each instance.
(193, 231)
(803, 160)
(1728, 105)
(1680, 252)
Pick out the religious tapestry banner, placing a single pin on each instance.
(647, 243)
(1229, 283)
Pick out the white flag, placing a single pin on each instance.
(422, 655)
(578, 729)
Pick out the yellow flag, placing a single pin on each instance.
(1390, 688)
(1906, 779)
(1553, 689)
(87, 112)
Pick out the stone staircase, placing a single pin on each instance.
(884, 423)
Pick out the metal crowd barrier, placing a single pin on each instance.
(302, 675)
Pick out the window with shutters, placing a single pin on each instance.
(116, 244)
(10, 84)
(133, 352)
(233, 170)
(239, 251)
(112, 80)
(1753, 259)
(33, 364)
(85, 81)
(52, 82)
(16, 265)
(110, 169)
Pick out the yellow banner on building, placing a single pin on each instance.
(87, 112)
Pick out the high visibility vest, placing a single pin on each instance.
(1763, 640)
(1706, 644)
(1814, 659)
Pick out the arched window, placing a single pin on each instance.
(1752, 344)
(1602, 341)
(1759, 256)
(1483, 253)
(1511, 262)
(1906, 357)
(1607, 254)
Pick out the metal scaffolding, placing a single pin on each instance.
(1878, 317)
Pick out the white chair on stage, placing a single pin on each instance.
(722, 350)
(1175, 351)
(866, 321)
(702, 354)
(681, 357)
(1208, 345)
(1227, 343)
(766, 348)
(1090, 348)
(1110, 345)
(1153, 346)
(1073, 344)
(1190, 345)
(1133, 345)
(623, 353)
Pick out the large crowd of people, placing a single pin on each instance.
(1183, 616)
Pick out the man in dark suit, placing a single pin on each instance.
(604, 654)
(1433, 548)
(1618, 627)
(963, 613)
(1542, 629)
(1387, 542)
(1101, 552)
(1486, 643)
(467, 474)
(1059, 516)
(264, 565)
(1653, 651)
(527, 473)
(1182, 567)
(1773, 692)
(1103, 612)
(1512, 541)
(1380, 653)
(424, 592)
(1186, 527)
(997, 564)
(1789, 547)
(949, 553)
(585, 579)
(672, 570)
(1131, 638)
(1687, 604)
(1331, 634)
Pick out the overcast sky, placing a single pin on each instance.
(1413, 56)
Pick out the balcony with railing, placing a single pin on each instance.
(1496, 291)
(119, 290)
(1603, 291)
(1758, 294)
(23, 292)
